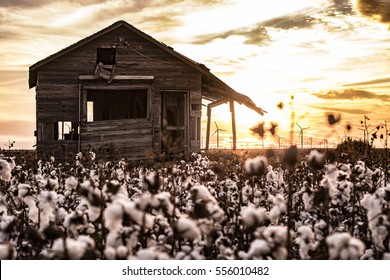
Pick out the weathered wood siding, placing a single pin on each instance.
(58, 89)
(129, 138)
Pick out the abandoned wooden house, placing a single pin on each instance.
(122, 88)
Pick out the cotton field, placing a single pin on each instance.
(229, 207)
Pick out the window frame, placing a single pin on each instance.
(87, 88)
(99, 52)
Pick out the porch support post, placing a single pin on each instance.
(233, 124)
(208, 127)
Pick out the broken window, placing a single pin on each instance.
(106, 56)
(103, 105)
(68, 131)
(54, 131)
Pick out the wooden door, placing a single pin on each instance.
(174, 117)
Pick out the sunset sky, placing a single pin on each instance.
(333, 56)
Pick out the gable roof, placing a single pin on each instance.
(226, 91)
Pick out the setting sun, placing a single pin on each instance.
(332, 56)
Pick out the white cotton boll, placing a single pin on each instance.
(247, 191)
(88, 241)
(188, 229)
(306, 241)
(11, 162)
(71, 183)
(23, 190)
(271, 175)
(144, 201)
(60, 199)
(215, 211)
(47, 200)
(113, 217)
(150, 254)
(33, 209)
(386, 256)
(53, 183)
(256, 166)
(3, 206)
(5, 170)
(202, 194)
(307, 200)
(279, 201)
(372, 205)
(146, 254)
(139, 217)
(163, 200)
(316, 159)
(356, 248)
(120, 174)
(74, 248)
(274, 215)
(258, 250)
(67, 193)
(93, 213)
(5, 224)
(122, 252)
(113, 239)
(61, 214)
(90, 229)
(275, 234)
(368, 255)
(336, 242)
(110, 253)
(7, 252)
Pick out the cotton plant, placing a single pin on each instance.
(306, 241)
(377, 221)
(225, 251)
(343, 192)
(5, 169)
(344, 246)
(187, 229)
(25, 193)
(270, 243)
(307, 194)
(69, 248)
(190, 253)
(6, 221)
(279, 207)
(253, 217)
(48, 207)
(90, 201)
(8, 251)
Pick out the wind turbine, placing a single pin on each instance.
(217, 132)
(301, 133)
(279, 138)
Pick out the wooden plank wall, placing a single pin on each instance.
(129, 138)
(58, 88)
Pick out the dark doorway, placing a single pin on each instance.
(174, 121)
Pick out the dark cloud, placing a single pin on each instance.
(290, 22)
(256, 35)
(344, 7)
(342, 110)
(370, 82)
(7, 34)
(351, 94)
(159, 22)
(375, 9)
(23, 3)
